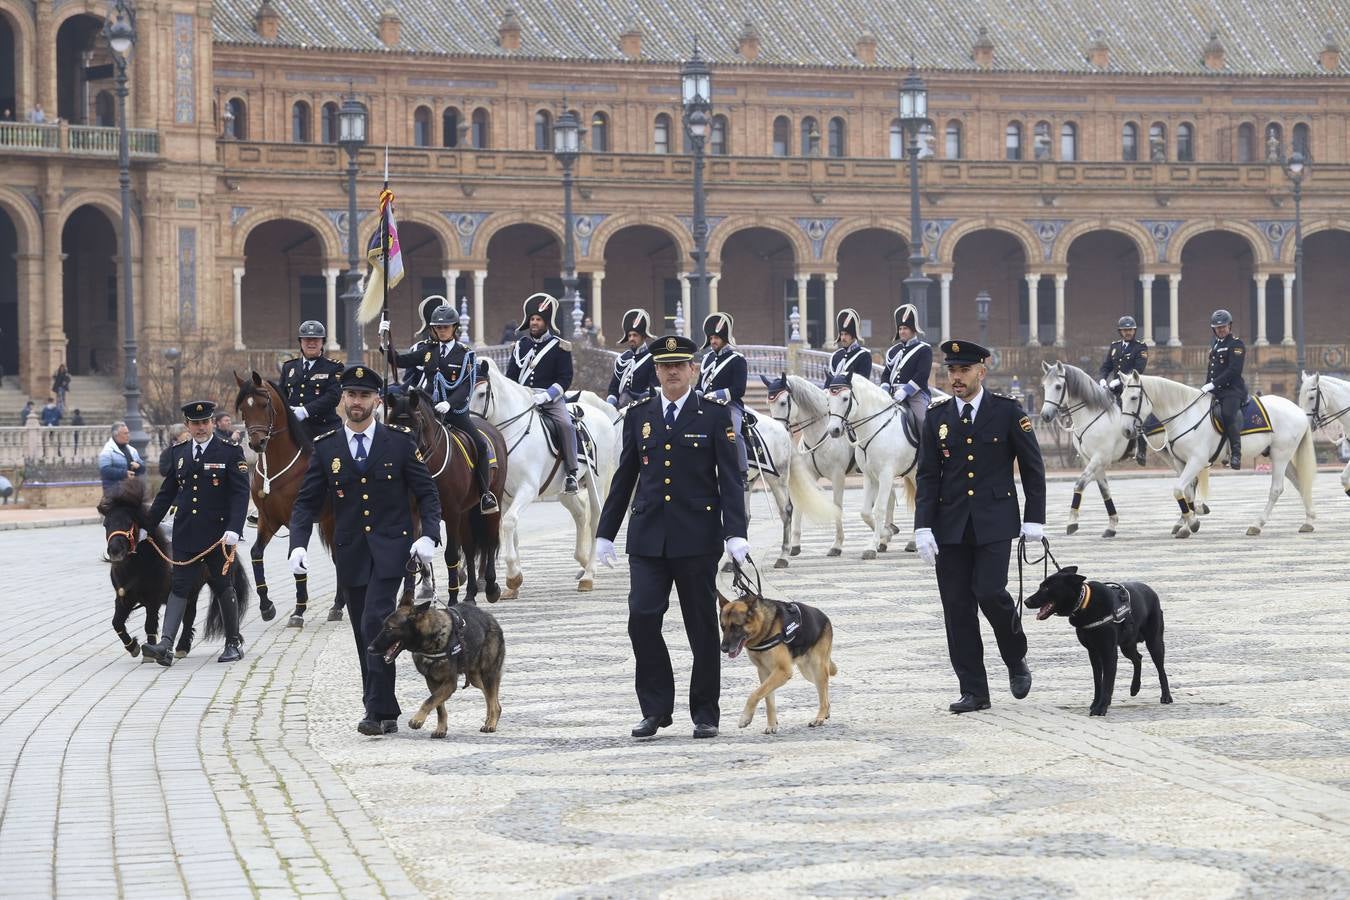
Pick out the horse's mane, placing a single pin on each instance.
(868, 388)
(1090, 392)
(130, 494)
(807, 394)
(299, 433)
(1167, 389)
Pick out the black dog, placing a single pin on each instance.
(1107, 615)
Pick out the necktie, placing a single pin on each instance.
(360, 455)
(966, 413)
(198, 455)
(670, 415)
(309, 364)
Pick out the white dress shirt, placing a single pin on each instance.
(677, 403)
(974, 404)
(368, 434)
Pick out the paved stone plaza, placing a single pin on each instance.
(121, 778)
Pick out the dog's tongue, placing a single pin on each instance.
(392, 652)
(1045, 612)
(736, 651)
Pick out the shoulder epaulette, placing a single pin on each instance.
(334, 359)
(404, 429)
(647, 399)
(936, 403)
(565, 345)
(328, 434)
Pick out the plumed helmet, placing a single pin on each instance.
(540, 304)
(445, 314)
(719, 324)
(907, 316)
(847, 321)
(311, 329)
(1125, 322)
(1220, 317)
(636, 320)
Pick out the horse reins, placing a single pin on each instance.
(1320, 420)
(490, 399)
(130, 534)
(260, 464)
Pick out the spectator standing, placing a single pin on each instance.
(77, 419)
(224, 424)
(118, 460)
(36, 115)
(25, 412)
(61, 385)
(51, 413)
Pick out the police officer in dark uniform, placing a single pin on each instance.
(908, 364)
(851, 356)
(309, 382)
(965, 517)
(208, 484)
(722, 376)
(1223, 379)
(445, 356)
(634, 374)
(368, 472)
(679, 452)
(1123, 357)
(543, 360)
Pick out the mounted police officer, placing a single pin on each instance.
(965, 518)
(908, 364)
(722, 376)
(445, 368)
(1223, 379)
(368, 472)
(1123, 357)
(634, 375)
(851, 356)
(678, 466)
(542, 360)
(208, 484)
(309, 382)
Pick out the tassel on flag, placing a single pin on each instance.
(386, 260)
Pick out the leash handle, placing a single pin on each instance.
(740, 582)
(1022, 556)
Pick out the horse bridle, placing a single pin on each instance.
(129, 533)
(1064, 410)
(272, 429)
(1318, 419)
(1139, 419)
(489, 399)
(851, 428)
(427, 451)
(260, 464)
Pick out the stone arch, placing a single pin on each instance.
(24, 217)
(17, 16)
(333, 245)
(1143, 243)
(1260, 246)
(1311, 228)
(614, 224)
(801, 247)
(1031, 245)
(493, 224)
(829, 251)
(111, 206)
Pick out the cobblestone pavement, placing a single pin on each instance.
(209, 779)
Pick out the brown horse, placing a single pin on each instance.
(450, 458)
(284, 449)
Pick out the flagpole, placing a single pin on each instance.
(384, 227)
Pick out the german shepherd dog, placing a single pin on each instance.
(1106, 615)
(778, 635)
(445, 644)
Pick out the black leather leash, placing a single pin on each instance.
(740, 582)
(1046, 559)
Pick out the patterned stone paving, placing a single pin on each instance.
(207, 779)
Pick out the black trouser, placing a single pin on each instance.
(464, 422)
(368, 605)
(1230, 410)
(972, 576)
(187, 580)
(695, 579)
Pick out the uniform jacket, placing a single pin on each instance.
(688, 496)
(453, 360)
(635, 373)
(1225, 367)
(907, 362)
(854, 358)
(965, 472)
(1122, 358)
(373, 512)
(724, 370)
(542, 363)
(211, 495)
(316, 390)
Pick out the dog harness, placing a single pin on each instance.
(452, 646)
(792, 622)
(1120, 612)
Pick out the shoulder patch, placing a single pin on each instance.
(1237, 350)
(1024, 423)
(403, 428)
(243, 466)
(327, 434)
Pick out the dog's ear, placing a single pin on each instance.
(721, 601)
(406, 599)
(421, 608)
(1069, 570)
(750, 601)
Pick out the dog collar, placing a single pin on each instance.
(452, 647)
(793, 621)
(1120, 610)
(1084, 597)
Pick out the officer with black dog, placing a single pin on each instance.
(542, 360)
(851, 356)
(965, 517)
(722, 377)
(368, 472)
(679, 452)
(1123, 357)
(1223, 379)
(208, 484)
(309, 382)
(634, 375)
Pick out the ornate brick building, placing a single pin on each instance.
(1082, 164)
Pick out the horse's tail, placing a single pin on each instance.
(215, 626)
(807, 495)
(1202, 486)
(1305, 468)
(911, 491)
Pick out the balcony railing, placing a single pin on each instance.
(79, 140)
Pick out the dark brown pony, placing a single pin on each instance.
(450, 458)
(284, 449)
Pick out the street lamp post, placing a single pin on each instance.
(982, 301)
(352, 137)
(566, 149)
(913, 117)
(120, 32)
(696, 93)
(1296, 169)
(174, 356)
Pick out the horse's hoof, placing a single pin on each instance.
(1204, 509)
(1109, 533)
(795, 551)
(1176, 528)
(1072, 528)
(585, 585)
(1305, 528)
(1195, 526)
(296, 621)
(835, 551)
(1182, 533)
(335, 614)
(509, 594)
(134, 648)
(869, 554)
(911, 548)
(892, 528)
(513, 582)
(780, 563)
(881, 548)
(494, 593)
(1253, 531)
(726, 567)
(267, 609)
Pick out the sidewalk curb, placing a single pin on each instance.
(49, 523)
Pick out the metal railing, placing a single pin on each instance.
(84, 140)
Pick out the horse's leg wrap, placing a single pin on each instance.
(1185, 505)
(1110, 506)
(259, 576)
(128, 642)
(301, 594)
(1077, 500)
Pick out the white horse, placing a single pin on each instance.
(1195, 442)
(535, 472)
(777, 466)
(1326, 401)
(803, 408)
(1090, 414)
(873, 421)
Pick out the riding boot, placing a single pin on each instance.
(1140, 447)
(570, 483)
(1235, 454)
(487, 501)
(229, 620)
(162, 650)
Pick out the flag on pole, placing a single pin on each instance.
(385, 257)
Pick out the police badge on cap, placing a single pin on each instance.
(360, 378)
(673, 348)
(963, 353)
(719, 324)
(198, 410)
(635, 320)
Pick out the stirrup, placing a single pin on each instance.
(487, 504)
(570, 485)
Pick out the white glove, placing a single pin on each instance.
(540, 398)
(1208, 389)
(230, 538)
(298, 566)
(739, 548)
(142, 536)
(443, 407)
(424, 548)
(1102, 382)
(926, 544)
(300, 412)
(1033, 531)
(554, 391)
(604, 552)
(721, 395)
(1115, 383)
(384, 327)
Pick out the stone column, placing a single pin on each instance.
(330, 319)
(53, 346)
(1033, 309)
(1173, 309)
(1261, 278)
(1059, 309)
(802, 281)
(684, 301)
(1288, 339)
(451, 276)
(1146, 285)
(597, 301)
(946, 329)
(713, 302)
(239, 307)
(830, 279)
(479, 277)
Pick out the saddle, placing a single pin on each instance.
(757, 454)
(469, 447)
(585, 444)
(1252, 414)
(910, 423)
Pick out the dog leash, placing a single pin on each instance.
(740, 582)
(1046, 559)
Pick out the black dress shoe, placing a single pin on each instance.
(704, 730)
(268, 610)
(377, 727)
(647, 727)
(1019, 679)
(231, 653)
(969, 703)
(161, 652)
